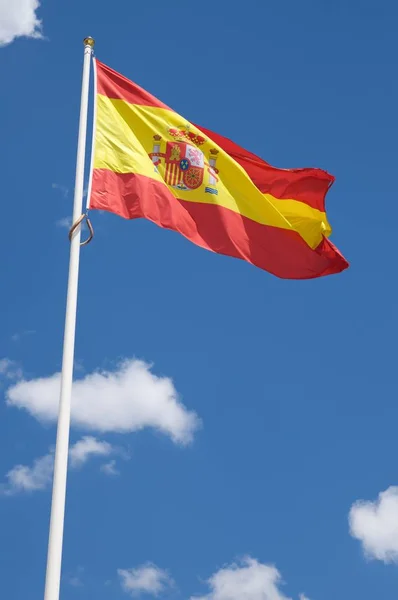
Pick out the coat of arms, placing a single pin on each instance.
(185, 166)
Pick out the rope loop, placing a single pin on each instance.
(76, 225)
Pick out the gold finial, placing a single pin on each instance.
(89, 41)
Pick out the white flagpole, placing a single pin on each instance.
(54, 556)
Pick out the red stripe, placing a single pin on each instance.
(114, 85)
(168, 174)
(218, 229)
(173, 171)
(307, 185)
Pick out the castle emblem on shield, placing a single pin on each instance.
(185, 166)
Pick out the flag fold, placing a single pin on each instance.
(149, 162)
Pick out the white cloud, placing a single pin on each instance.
(65, 222)
(22, 478)
(9, 368)
(147, 578)
(109, 468)
(128, 399)
(29, 479)
(375, 524)
(18, 18)
(87, 447)
(248, 580)
(75, 580)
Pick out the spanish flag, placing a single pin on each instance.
(149, 162)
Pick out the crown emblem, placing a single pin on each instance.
(185, 135)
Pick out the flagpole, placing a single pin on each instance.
(55, 540)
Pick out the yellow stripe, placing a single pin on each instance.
(124, 139)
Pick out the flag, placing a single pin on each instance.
(149, 162)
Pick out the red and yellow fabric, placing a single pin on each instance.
(150, 163)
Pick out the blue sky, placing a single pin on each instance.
(226, 423)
